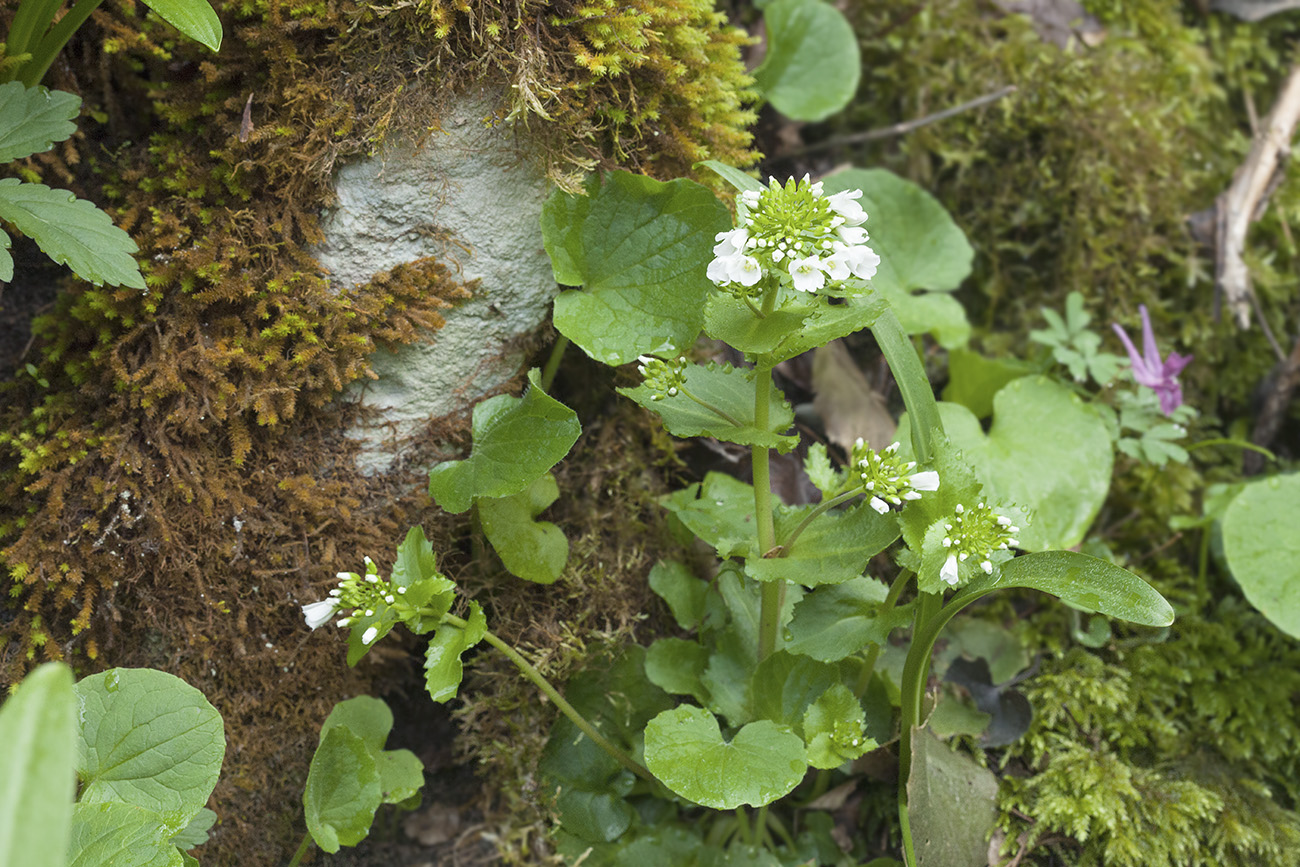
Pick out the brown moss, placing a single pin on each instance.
(181, 486)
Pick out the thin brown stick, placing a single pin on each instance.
(1239, 205)
(901, 128)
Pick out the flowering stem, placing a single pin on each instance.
(773, 593)
(931, 617)
(553, 362)
(869, 665)
(720, 413)
(750, 304)
(822, 508)
(302, 850)
(554, 695)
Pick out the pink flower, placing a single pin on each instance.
(1149, 370)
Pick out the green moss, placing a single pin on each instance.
(1173, 754)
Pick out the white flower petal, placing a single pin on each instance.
(745, 270)
(949, 571)
(879, 505)
(926, 481)
(806, 274)
(853, 235)
(320, 613)
(369, 635)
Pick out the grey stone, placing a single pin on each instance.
(470, 196)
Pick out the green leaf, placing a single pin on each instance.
(938, 780)
(919, 245)
(727, 676)
(149, 739)
(834, 728)
(516, 440)
(6, 260)
(1047, 450)
(683, 592)
(675, 665)
(729, 390)
(834, 548)
(812, 65)
(733, 176)
(196, 832)
(401, 774)
(427, 589)
(38, 780)
(194, 18)
(343, 790)
(1262, 546)
(824, 477)
(33, 119)
(973, 380)
(761, 763)
(529, 549)
(640, 250)
(789, 330)
(616, 698)
(72, 232)
(835, 622)
(366, 717)
(122, 835)
(442, 665)
(912, 382)
(929, 313)
(783, 687)
(1087, 582)
(720, 511)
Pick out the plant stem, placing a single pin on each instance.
(742, 827)
(553, 363)
(302, 850)
(554, 695)
(822, 507)
(720, 413)
(869, 665)
(773, 594)
(1229, 441)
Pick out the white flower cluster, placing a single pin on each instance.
(360, 593)
(796, 233)
(978, 532)
(887, 479)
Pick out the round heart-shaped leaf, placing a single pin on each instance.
(1262, 547)
(684, 748)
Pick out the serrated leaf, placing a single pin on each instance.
(720, 511)
(812, 65)
(725, 388)
(683, 592)
(640, 251)
(427, 589)
(727, 676)
(919, 245)
(784, 686)
(38, 780)
(824, 477)
(196, 832)
(195, 18)
(342, 791)
(33, 119)
(684, 748)
(836, 622)
(149, 739)
(787, 331)
(835, 547)
(72, 232)
(1262, 547)
(834, 727)
(529, 549)
(516, 440)
(120, 834)
(442, 664)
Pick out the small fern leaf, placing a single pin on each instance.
(33, 119)
(72, 232)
